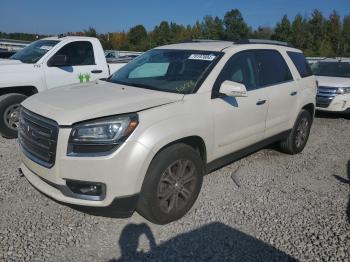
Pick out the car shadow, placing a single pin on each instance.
(212, 242)
(346, 181)
(329, 115)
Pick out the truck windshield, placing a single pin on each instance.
(333, 69)
(177, 71)
(33, 52)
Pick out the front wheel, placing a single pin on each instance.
(9, 114)
(171, 185)
(298, 137)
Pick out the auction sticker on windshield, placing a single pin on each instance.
(210, 57)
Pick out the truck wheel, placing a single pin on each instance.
(171, 185)
(9, 114)
(297, 139)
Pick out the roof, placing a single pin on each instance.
(67, 38)
(217, 46)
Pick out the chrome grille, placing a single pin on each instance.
(325, 96)
(37, 137)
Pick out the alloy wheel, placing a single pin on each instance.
(302, 132)
(177, 185)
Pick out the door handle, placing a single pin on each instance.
(294, 93)
(260, 102)
(96, 71)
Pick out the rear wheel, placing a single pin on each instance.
(172, 184)
(297, 139)
(9, 114)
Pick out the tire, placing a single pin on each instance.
(165, 196)
(9, 105)
(297, 138)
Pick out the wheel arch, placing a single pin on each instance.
(310, 108)
(194, 141)
(24, 90)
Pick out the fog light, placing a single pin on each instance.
(86, 188)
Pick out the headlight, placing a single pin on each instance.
(343, 90)
(101, 136)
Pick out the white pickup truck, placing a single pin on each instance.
(45, 64)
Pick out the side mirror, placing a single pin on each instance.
(58, 60)
(234, 89)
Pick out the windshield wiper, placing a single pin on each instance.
(135, 85)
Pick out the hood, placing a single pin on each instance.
(333, 81)
(75, 103)
(13, 66)
(9, 62)
(16, 73)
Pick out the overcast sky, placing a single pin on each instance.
(54, 17)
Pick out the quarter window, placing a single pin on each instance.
(272, 68)
(300, 63)
(78, 53)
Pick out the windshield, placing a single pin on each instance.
(177, 71)
(333, 69)
(33, 52)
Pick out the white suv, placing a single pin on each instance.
(144, 138)
(333, 76)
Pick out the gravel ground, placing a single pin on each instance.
(268, 206)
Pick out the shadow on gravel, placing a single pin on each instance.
(346, 181)
(213, 242)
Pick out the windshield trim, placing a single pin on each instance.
(200, 80)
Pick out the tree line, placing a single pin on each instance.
(316, 34)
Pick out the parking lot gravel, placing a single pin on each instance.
(268, 206)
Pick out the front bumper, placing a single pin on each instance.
(120, 207)
(338, 103)
(122, 172)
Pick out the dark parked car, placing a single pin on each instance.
(6, 54)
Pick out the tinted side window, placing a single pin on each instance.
(240, 68)
(272, 67)
(79, 53)
(300, 63)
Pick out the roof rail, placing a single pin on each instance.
(262, 41)
(199, 40)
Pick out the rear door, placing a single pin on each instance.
(277, 80)
(81, 65)
(239, 121)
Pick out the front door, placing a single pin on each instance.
(239, 121)
(81, 66)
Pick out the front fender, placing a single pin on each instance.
(175, 128)
(21, 75)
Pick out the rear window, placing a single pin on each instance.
(300, 63)
(272, 68)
